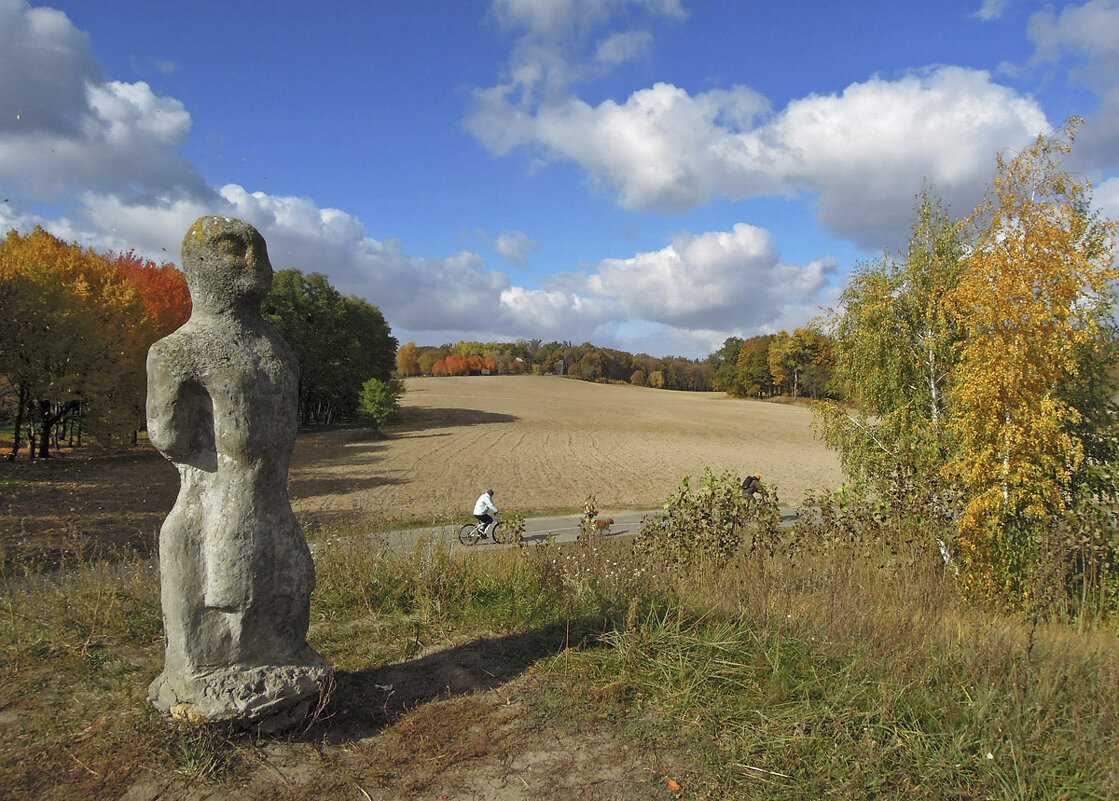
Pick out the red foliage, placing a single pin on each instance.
(163, 289)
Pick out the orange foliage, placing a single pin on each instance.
(408, 360)
(457, 365)
(75, 335)
(162, 288)
(1030, 302)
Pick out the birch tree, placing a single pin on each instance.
(894, 343)
(1035, 304)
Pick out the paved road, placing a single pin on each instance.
(538, 529)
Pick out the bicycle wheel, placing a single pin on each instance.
(468, 534)
(497, 532)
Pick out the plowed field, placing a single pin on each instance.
(544, 443)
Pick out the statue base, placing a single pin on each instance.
(263, 698)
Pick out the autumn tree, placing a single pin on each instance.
(426, 361)
(162, 288)
(981, 371)
(74, 339)
(457, 365)
(791, 356)
(1035, 304)
(780, 362)
(408, 360)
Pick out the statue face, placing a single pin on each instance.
(226, 264)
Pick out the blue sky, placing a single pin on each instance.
(651, 175)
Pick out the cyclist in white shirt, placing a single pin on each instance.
(483, 508)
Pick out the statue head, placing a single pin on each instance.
(226, 264)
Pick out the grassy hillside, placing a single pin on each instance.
(831, 659)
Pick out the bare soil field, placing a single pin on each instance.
(543, 443)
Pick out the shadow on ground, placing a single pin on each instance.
(368, 701)
(415, 418)
(316, 486)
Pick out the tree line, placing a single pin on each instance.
(77, 325)
(800, 364)
(977, 368)
(534, 356)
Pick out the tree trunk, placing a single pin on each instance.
(17, 430)
(46, 422)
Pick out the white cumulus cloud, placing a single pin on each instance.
(716, 280)
(866, 152)
(1088, 36)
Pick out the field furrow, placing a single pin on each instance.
(545, 443)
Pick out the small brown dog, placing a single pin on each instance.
(603, 524)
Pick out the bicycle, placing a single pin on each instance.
(470, 533)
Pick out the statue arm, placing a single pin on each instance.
(178, 409)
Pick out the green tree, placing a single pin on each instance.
(754, 379)
(372, 347)
(724, 366)
(380, 401)
(895, 345)
(339, 341)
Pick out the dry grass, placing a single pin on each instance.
(837, 664)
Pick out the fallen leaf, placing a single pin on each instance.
(674, 785)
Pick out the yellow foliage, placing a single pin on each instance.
(1028, 303)
(76, 332)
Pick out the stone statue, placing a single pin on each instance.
(235, 570)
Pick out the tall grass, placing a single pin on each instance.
(829, 660)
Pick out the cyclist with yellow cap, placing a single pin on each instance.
(752, 488)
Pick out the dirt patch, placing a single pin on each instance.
(451, 723)
(482, 747)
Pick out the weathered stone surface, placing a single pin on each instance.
(236, 573)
